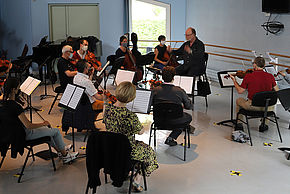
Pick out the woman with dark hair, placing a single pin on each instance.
(160, 51)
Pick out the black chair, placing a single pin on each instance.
(164, 116)
(284, 96)
(111, 149)
(261, 99)
(200, 77)
(115, 65)
(58, 90)
(29, 144)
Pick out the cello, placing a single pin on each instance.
(172, 61)
(130, 64)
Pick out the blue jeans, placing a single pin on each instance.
(159, 65)
(56, 137)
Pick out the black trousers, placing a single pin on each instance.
(177, 123)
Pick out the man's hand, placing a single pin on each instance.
(232, 77)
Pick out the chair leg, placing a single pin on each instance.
(185, 138)
(206, 104)
(25, 162)
(2, 160)
(144, 175)
(53, 103)
(288, 158)
(150, 135)
(51, 156)
(154, 138)
(278, 128)
(32, 154)
(188, 135)
(249, 130)
(131, 178)
(87, 189)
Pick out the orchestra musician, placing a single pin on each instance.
(84, 53)
(167, 92)
(84, 78)
(193, 53)
(161, 56)
(129, 62)
(65, 68)
(257, 81)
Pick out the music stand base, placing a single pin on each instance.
(44, 96)
(224, 123)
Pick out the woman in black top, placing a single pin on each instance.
(122, 50)
(160, 61)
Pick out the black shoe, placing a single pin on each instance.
(239, 127)
(191, 129)
(170, 141)
(263, 128)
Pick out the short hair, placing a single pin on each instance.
(161, 37)
(125, 92)
(81, 65)
(82, 41)
(260, 62)
(168, 73)
(66, 48)
(123, 38)
(192, 30)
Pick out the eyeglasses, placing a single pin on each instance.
(188, 34)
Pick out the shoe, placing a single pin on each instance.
(68, 147)
(239, 127)
(170, 141)
(263, 128)
(70, 156)
(191, 129)
(137, 187)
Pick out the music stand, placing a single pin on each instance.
(28, 87)
(227, 83)
(45, 95)
(70, 101)
(284, 96)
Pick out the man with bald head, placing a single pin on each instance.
(192, 52)
(65, 69)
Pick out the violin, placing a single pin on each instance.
(240, 73)
(90, 57)
(111, 97)
(279, 72)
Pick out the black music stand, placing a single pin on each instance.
(227, 83)
(284, 96)
(70, 101)
(45, 95)
(28, 87)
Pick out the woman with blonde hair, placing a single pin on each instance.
(119, 119)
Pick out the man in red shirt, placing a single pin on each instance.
(257, 81)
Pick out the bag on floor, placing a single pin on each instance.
(203, 87)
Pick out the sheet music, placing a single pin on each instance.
(227, 81)
(29, 85)
(123, 75)
(141, 103)
(176, 80)
(66, 96)
(186, 84)
(76, 97)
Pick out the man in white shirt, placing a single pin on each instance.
(82, 78)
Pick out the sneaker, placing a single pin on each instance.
(191, 129)
(170, 141)
(70, 156)
(68, 147)
(263, 128)
(239, 127)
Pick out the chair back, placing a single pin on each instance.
(167, 110)
(205, 59)
(260, 99)
(284, 96)
(111, 151)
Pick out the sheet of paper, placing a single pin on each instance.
(176, 80)
(32, 86)
(186, 84)
(26, 83)
(226, 80)
(123, 75)
(66, 96)
(76, 97)
(141, 101)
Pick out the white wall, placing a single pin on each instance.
(237, 24)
